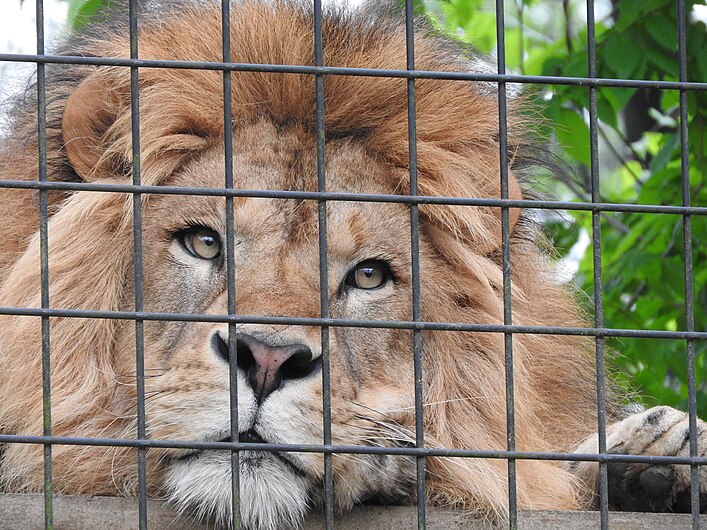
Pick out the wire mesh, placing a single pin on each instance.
(322, 197)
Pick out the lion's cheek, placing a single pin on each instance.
(203, 408)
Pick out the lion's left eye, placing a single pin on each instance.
(201, 242)
(369, 274)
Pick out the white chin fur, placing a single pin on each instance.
(273, 496)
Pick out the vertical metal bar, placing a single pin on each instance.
(687, 251)
(323, 270)
(415, 257)
(44, 267)
(230, 262)
(506, 262)
(596, 249)
(137, 264)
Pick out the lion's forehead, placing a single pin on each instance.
(267, 158)
(264, 161)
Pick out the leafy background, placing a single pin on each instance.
(639, 152)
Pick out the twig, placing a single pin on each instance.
(568, 32)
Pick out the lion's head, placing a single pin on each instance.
(276, 251)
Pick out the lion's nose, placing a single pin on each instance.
(266, 366)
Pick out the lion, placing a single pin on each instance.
(276, 257)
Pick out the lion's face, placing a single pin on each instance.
(278, 366)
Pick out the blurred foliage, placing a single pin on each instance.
(81, 12)
(640, 160)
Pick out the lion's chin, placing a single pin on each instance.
(273, 494)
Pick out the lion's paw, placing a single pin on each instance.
(660, 431)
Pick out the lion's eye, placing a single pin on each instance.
(369, 274)
(203, 243)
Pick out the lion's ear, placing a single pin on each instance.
(90, 112)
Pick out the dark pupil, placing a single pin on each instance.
(368, 271)
(207, 240)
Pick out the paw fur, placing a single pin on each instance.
(660, 431)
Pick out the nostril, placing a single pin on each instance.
(244, 355)
(220, 347)
(300, 365)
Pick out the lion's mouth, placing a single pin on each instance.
(251, 437)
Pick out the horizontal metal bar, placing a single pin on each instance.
(353, 323)
(368, 72)
(354, 197)
(350, 449)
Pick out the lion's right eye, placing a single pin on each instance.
(370, 274)
(201, 242)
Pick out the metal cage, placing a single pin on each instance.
(599, 331)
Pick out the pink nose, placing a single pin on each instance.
(268, 367)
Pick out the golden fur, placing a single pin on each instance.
(181, 120)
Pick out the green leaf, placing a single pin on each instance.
(631, 11)
(539, 57)
(577, 66)
(697, 59)
(663, 29)
(666, 152)
(573, 134)
(81, 12)
(622, 55)
(608, 108)
(480, 31)
(661, 60)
